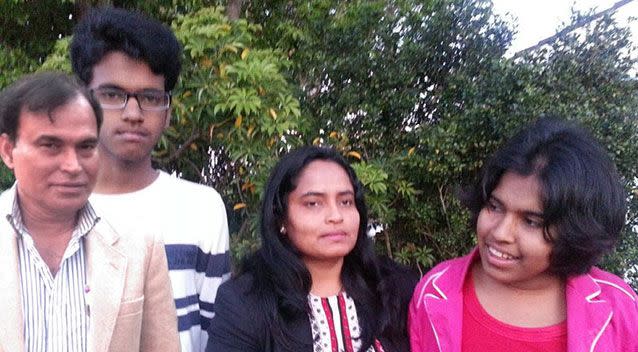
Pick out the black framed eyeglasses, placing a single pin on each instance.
(147, 100)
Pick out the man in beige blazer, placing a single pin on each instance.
(69, 282)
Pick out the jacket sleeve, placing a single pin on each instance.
(413, 325)
(419, 325)
(159, 320)
(237, 326)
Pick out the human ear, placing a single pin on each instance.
(6, 150)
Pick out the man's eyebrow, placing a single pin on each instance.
(92, 140)
(110, 86)
(48, 138)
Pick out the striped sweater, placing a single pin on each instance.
(192, 221)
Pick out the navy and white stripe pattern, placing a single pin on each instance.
(56, 315)
(210, 269)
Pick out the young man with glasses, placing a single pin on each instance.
(131, 63)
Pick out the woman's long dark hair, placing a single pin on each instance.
(281, 280)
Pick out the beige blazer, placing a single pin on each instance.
(130, 300)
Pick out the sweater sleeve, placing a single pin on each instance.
(213, 263)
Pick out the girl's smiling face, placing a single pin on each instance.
(510, 232)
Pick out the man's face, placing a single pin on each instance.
(128, 135)
(55, 160)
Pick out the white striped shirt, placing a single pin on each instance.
(56, 317)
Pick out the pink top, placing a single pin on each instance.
(602, 313)
(482, 332)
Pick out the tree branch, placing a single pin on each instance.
(233, 9)
(572, 27)
(178, 152)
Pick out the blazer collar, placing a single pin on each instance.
(588, 314)
(12, 322)
(440, 286)
(442, 295)
(106, 276)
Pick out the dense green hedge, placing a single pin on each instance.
(415, 93)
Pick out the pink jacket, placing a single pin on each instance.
(602, 310)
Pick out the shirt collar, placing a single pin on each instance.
(87, 218)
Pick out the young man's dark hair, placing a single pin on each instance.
(580, 190)
(130, 63)
(108, 29)
(41, 92)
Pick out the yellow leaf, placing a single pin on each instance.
(210, 131)
(250, 131)
(411, 150)
(333, 134)
(354, 154)
(193, 146)
(261, 91)
(316, 141)
(246, 186)
(220, 136)
(229, 47)
(222, 70)
(239, 206)
(187, 94)
(238, 121)
(244, 53)
(273, 113)
(206, 62)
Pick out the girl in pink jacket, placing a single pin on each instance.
(546, 207)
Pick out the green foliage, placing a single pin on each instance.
(58, 59)
(34, 26)
(233, 103)
(416, 94)
(422, 91)
(13, 64)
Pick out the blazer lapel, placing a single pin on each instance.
(12, 322)
(302, 332)
(106, 274)
(587, 314)
(445, 307)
